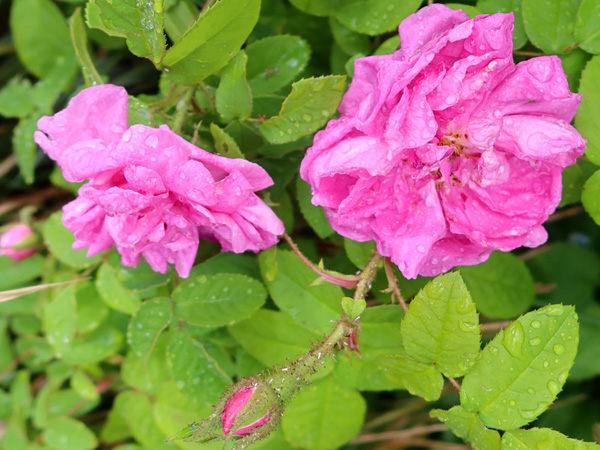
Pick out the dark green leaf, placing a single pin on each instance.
(306, 109)
(15, 273)
(590, 197)
(313, 307)
(359, 252)
(542, 438)
(586, 120)
(79, 39)
(64, 432)
(24, 147)
(467, 425)
(349, 41)
(16, 99)
(314, 215)
(233, 97)
(274, 62)
(587, 361)
(522, 370)
(316, 7)
(210, 43)
(324, 416)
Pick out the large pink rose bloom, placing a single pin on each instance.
(150, 192)
(446, 150)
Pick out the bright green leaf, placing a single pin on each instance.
(24, 147)
(79, 39)
(233, 97)
(274, 62)
(507, 6)
(138, 414)
(146, 325)
(60, 320)
(59, 241)
(64, 432)
(146, 374)
(217, 300)
(15, 273)
(551, 31)
(388, 46)
(587, 26)
(91, 310)
(467, 425)
(522, 370)
(502, 287)
(374, 16)
(272, 337)
(324, 416)
(140, 22)
(418, 378)
(590, 197)
(542, 439)
(441, 326)
(40, 34)
(353, 308)
(224, 143)
(586, 120)
(212, 40)
(313, 307)
(114, 293)
(115, 427)
(306, 109)
(471, 11)
(101, 343)
(84, 386)
(314, 215)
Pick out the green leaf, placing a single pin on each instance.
(225, 144)
(272, 337)
(471, 11)
(115, 427)
(314, 215)
(590, 197)
(138, 414)
(64, 432)
(542, 439)
(5, 407)
(217, 300)
(100, 344)
(587, 28)
(316, 7)
(212, 40)
(572, 182)
(389, 46)
(228, 262)
(502, 287)
(374, 16)
(587, 361)
(79, 39)
(15, 273)
(507, 6)
(467, 425)
(379, 335)
(84, 386)
(307, 108)
(359, 252)
(40, 34)
(141, 23)
(59, 241)
(6, 354)
(91, 310)
(551, 31)
(353, 308)
(146, 325)
(233, 97)
(312, 307)
(441, 326)
(586, 120)
(324, 416)
(349, 41)
(193, 368)
(60, 320)
(24, 147)
(275, 61)
(146, 374)
(522, 370)
(16, 99)
(418, 378)
(114, 293)
(573, 64)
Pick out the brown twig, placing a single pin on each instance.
(426, 443)
(534, 252)
(454, 383)
(494, 326)
(15, 363)
(7, 165)
(398, 435)
(393, 283)
(569, 212)
(34, 198)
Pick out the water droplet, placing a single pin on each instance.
(530, 391)
(493, 350)
(127, 136)
(558, 349)
(536, 324)
(513, 339)
(533, 413)
(553, 310)
(151, 140)
(512, 403)
(553, 387)
(535, 341)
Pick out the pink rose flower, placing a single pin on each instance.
(151, 192)
(446, 150)
(12, 238)
(248, 408)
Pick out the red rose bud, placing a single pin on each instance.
(17, 243)
(247, 409)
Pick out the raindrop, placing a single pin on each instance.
(558, 349)
(513, 339)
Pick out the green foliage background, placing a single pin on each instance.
(126, 357)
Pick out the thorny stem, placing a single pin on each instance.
(182, 109)
(454, 383)
(366, 277)
(393, 283)
(349, 281)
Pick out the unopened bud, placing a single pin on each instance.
(14, 243)
(247, 409)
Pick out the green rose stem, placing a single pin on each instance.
(252, 408)
(393, 283)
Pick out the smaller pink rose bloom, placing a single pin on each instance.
(150, 192)
(446, 150)
(13, 238)
(248, 408)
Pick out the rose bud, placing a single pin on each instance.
(247, 409)
(17, 243)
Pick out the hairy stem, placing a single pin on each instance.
(367, 276)
(393, 283)
(182, 109)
